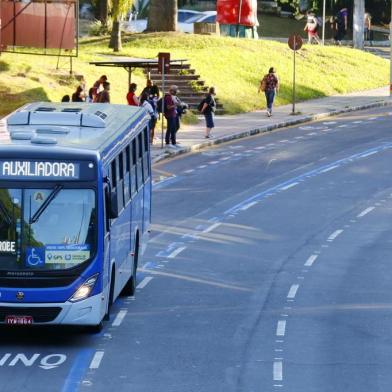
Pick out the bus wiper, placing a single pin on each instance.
(46, 203)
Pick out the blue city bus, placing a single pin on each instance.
(75, 210)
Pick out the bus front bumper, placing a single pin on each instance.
(86, 312)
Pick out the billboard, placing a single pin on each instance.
(41, 25)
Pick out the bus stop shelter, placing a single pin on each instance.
(131, 63)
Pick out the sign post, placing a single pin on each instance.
(163, 68)
(295, 43)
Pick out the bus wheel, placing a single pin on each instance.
(111, 296)
(130, 287)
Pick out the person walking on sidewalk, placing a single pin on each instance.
(208, 109)
(342, 25)
(171, 117)
(270, 85)
(311, 28)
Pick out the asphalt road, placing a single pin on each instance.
(268, 269)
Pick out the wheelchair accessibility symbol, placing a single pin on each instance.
(34, 257)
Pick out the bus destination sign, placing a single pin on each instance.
(39, 170)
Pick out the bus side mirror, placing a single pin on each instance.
(114, 210)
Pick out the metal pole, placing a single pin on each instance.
(390, 60)
(239, 18)
(323, 34)
(163, 98)
(295, 50)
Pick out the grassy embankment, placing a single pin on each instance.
(233, 66)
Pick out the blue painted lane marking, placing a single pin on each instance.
(78, 370)
(313, 173)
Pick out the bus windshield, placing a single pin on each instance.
(46, 229)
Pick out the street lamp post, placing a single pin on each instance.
(323, 34)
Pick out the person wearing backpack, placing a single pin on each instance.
(270, 86)
(208, 107)
(170, 113)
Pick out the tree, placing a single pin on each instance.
(162, 15)
(118, 10)
(103, 11)
(358, 23)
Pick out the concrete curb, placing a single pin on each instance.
(166, 154)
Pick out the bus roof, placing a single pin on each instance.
(76, 125)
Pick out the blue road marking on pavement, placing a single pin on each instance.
(166, 181)
(78, 370)
(310, 174)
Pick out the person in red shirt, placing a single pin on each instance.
(131, 96)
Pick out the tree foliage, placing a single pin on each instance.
(118, 9)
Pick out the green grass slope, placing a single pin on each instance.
(234, 66)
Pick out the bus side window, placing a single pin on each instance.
(117, 183)
(140, 159)
(120, 186)
(106, 195)
(113, 175)
(134, 185)
(127, 165)
(146, 166)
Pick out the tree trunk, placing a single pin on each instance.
(162, 15)
(358, 24)
(103, 12)
(115, 38)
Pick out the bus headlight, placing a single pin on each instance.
(85, 289)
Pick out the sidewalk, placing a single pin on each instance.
(191, 138)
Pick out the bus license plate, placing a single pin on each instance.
(19, 320)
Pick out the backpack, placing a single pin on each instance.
(159, 105)
(201, 104)
(263, 83)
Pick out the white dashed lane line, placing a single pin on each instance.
(278, 371)
(329, 169)
(293, 291)
(247, 206)
(176, 252)
(212, 227)
(144, 282)
(365, 212)
(119, 318)
(309, 262)
(96, 361)
(189, 171)
(281, 328)
(369, 153)
(334, 235)
(202, 166)
(284, 188)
